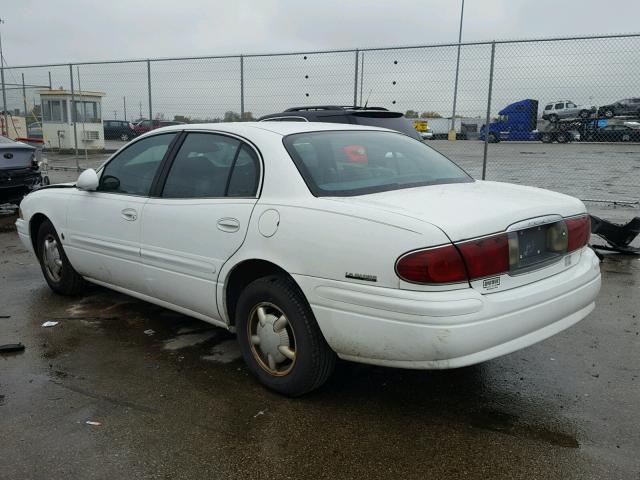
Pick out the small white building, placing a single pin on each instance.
(62, 121)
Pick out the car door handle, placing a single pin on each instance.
(129, 214)
(229, 225)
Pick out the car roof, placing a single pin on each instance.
(279, 128)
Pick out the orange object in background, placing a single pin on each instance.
(356, 154)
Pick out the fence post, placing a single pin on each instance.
(242, 88)
(355, 81)
(149, 89)
(361, 76)
(5, 125)
(49, 79)
(24, 96)
(488, 117)
(74, 116)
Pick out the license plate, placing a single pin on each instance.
(533, 247)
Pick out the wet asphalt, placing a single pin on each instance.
(174, 400)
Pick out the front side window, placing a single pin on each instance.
(54, 110)
(212, 166)
(571, 105)
(559, 106)
(132, 171)
(345, 163)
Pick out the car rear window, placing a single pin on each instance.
(347, 163)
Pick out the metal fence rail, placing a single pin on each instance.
(418, 80)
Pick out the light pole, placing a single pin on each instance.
(5, 126)
(452, 131)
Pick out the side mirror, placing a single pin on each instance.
(88, 180)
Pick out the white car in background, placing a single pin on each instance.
(313, 240)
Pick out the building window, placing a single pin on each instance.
(54, 110)
(88, 112)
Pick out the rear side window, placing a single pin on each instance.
(548, 107)
(212, 166)
(346, 163)
(132, 171)
(559, 106)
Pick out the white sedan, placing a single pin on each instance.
(314, 241)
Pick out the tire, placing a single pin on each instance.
(609, 113)
(64, 279)
(562, 137)
(553, 118)
(546, 138)
(124, 137)
(626, 137)
(493, 138)
(272, 298)
(584, 114)
(45, 180)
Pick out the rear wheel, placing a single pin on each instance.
(553, 118)
(546, 138)
(562, 137)
(584, 114)
(608, 112)
(493, 138)
(124, 137)
(57, 270)
(279, 337)
(626, 137)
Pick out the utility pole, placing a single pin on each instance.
(124, 106)
(115, 114)
(140, 104)
(4, 92)
(452, 130)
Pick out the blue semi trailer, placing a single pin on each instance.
(517, 121)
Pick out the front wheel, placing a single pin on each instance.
(57, 270)
(279, 337)
(124, 137)
(585, 114)
(492, 138)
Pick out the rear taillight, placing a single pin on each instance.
(486, 256)
(579, 230)
(436, 265)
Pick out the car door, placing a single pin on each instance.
(103, 226)
(199, 218)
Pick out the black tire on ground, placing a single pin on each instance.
(124, 137)
(546, 138)
(585, 114)
(314, 359)
(626, 137)
(45, 180)
(493, 138)
(553, 118)
(68, 282)
(609, 113)
(562, 137)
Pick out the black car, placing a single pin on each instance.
(118, 129)
(372, 116)
(626, 106)
(19, 171)
(614, 133)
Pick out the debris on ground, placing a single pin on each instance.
(5, 316)
(11, 347)
(50, 323)
(149, 332)
(618, 236)
(261, 412)
(95, 424)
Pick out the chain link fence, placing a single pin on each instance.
(554, 110)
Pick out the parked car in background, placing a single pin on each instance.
(19, 170)
(626, 106)
(614, 133)
(554, 111)
(118, 129)
(34, 130)
(373, 116)
(314, 241)
(147, 125)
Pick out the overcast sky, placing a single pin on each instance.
(48, 31)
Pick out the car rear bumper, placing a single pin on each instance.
(449, 329)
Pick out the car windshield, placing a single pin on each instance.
(345, 163)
